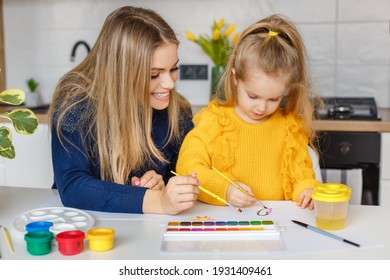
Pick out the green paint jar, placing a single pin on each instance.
(38, 242)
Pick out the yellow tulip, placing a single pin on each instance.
(235, 37)
(229, 30)
(190, 36)
(221, 23)
(216, 34)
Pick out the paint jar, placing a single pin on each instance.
(331, 205)
(70, 242)
(38, 226)
(38, 242)
(101, 239)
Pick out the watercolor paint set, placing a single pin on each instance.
(212, 236)
(218, 228)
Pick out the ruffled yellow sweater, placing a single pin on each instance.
(270, 157)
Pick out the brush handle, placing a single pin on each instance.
(212, 195)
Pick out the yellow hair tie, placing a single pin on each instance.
(272, 33)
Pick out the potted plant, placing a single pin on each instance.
(217, 47)
(33, 97)
(23, 120)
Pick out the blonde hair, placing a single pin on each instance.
(114, 81)
(275, 46)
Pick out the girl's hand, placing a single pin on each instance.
(150, 180)
(238, 198)
(304, 199)
(180, 194)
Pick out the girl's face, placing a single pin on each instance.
(164, 75)
(259, 96)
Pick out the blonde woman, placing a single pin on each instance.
(118, 123)
(258, 130)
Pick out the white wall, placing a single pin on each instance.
(348, 41)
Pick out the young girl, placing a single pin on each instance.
(118, 123)
(258, 130)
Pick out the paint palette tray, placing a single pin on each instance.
(219, 236)
(57, 215)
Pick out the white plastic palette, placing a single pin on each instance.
(57, 215)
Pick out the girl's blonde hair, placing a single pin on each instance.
(114, 80)
(275, 46)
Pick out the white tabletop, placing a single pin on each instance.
(139, 237)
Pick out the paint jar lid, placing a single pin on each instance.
(331, 192)
(38, 242)
(38, 226)
(70, 242)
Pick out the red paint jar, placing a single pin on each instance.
(70, 242)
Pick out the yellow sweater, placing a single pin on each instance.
(270, 157)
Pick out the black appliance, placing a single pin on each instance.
(349, 108)
(349, 150)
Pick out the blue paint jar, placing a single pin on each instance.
(38, 226)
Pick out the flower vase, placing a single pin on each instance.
(216, 74)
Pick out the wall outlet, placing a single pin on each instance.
(193, 72)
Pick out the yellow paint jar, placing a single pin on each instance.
(331, 205)
(100, 239)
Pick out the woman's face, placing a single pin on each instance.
(259, 96)
(164, 75)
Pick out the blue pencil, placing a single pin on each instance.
(323, 232)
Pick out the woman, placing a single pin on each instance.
(118, 123)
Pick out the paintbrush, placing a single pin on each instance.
(241, 189)
(214, 195)
(8, 237)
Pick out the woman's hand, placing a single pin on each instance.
(180, 194)
(150, 180)
(239, 198)
(304, 199)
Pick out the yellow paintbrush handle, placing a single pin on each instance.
(213, 195)
(8, 240)
(235, 184)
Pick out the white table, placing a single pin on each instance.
(139, 237)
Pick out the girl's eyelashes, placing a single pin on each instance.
(155, 76)
(252, 96)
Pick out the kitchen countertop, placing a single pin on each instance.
(325, 125)
(347, 125)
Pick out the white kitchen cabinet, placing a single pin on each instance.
(32, 165)
(384, 195)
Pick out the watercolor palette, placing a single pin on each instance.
(219, 236)
(57, 215)
(222, 228)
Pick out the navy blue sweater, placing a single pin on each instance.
(78, 179)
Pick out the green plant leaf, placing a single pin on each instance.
(32, 85)
(12, 96)
(23, 120)
(5, 138)
(9, 153)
